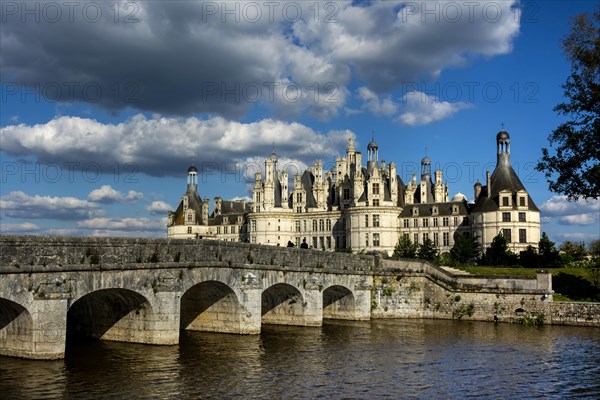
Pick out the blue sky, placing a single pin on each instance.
(104, 106)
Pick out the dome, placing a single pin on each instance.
(459, 197)
(373, 145)
(273, 156)
(425, 160)
(502, 135)
(192, 169)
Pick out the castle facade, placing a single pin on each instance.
(364, 208)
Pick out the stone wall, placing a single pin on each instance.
(48, 254)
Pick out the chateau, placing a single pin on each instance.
(364, 208)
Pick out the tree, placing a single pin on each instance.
(464, 249)
(577, 141)
(548, 254)
(529, 258)
(498, 253)
(405, 248)
(571, 251)
(428, 250)
(593, 266)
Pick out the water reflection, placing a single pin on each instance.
(343, 359)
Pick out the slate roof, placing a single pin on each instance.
(444, 209)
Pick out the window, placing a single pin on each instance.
(505, 201)
(522, 235)
(189, 230)
(434, 210)
(425, 237)
(522, 201)
(253, 226)
(376, 221)
(507, 235)
(219, 229)
(315, 242)
(426, 222)
(376, 188)
(455, 221)
(376, 202)
(405, 235)
(454, 209)
(299, 209)
(376, 240)
(321, 242)
(314, 224)
(445, 221)
(506, 217)
(406, 223)
(232, 228)
(304, 225)
(253, 239)
(416, 223)
(346, 194)
(436, 239)
(366, 239)
(321, 225)
(521, 217)
(298, 197)
(328, 225)
(416, 238)
(435, 222)
(225, 230)
(328, 242)
(446, 238)
(415, 211)
(366, 221)
(297, 226)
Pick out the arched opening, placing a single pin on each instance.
(210, 306)
(16, 329)
(338, 303)
(282, 304)
(110, 314)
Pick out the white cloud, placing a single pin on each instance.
(21, 205)
(422, 109)
(166, 146)
(25, 227)
(580, 212)
(107, 195)
(177, 59)
(577, 236)
(579, 219)
(374, 104)
(158, 207)
(124, 224)
(560, 205)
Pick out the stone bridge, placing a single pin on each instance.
(147, 290)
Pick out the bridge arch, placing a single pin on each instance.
(16, 329)
(210, 306)
(120, 315)
(282, 304)
(339, 303)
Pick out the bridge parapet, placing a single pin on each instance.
(51, 254)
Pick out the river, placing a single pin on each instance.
(424, 359)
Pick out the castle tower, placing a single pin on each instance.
(425, 186)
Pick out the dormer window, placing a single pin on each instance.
(434, 210)
(522, 201)
(454, 209)
(505, 201)
(415, 211)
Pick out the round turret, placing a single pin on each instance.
(502, 136)
(373, 145)
(192, 169)
(459, 197)
(426, 161)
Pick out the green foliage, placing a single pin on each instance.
(498, 253)
(570, 252)
(574, 169)
(530, 320)
(529, 258)
(548, 255)
(465, 249)
(428, 250)
(405, 248)
(575, 287)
